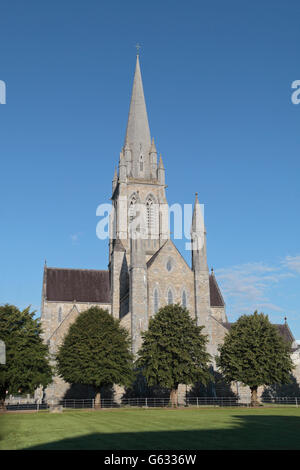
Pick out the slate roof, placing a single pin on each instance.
(216, 299)
(82, 285)
(283, 330)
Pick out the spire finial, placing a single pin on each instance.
(137, 46)
(285, 320)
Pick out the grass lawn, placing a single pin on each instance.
(157, 429)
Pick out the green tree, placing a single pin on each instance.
(27, 365)
(255, 354)
(174, 351)
(96, 352)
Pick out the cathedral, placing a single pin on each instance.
(145, 271)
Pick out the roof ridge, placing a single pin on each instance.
(220, 322)
(68, 314)
(78, 269)
(150, 260)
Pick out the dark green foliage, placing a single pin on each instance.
(218, 387)
(95, 351)
(174, 349)
(27, 365)
(254, 353)
(291, 389)
(140, 389)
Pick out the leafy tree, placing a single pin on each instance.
(27, 365)
(255, 354)
(216, 388)
(96, 352)
(174, 351)
(290, 389)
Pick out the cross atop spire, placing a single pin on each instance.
(137, 49)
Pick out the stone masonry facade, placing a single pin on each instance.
(145, 269)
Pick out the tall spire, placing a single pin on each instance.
(138, 132)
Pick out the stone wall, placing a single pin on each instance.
(54, 331)
(180, 278)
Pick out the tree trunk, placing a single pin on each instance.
(2, 399)
(2, 405)
(254, 400)
(98, 399)
(174, 397)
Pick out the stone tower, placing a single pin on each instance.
(138, 291)
(200, 268)
(140, 210)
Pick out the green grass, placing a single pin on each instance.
(157, 429)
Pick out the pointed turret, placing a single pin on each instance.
(138, 132)
(115, 180)
(161, 165)
(161, 171)
(122, 168)
(198, 220)
(153, 159)
(198, 236)
(128, 156)
(199, 265)
(153, 146)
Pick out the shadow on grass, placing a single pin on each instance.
(246, 432)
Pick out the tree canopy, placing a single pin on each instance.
(96, 352)
(174, 350)
(27, 365)
(255, 354)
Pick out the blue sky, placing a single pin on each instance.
(217, 79)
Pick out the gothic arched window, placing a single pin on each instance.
(170, 297)
(184, 302)
(169, 265)
(156, 306)
(132, 209)
(150, 214)
(141, 164)
(59, 315)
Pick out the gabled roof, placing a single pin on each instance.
(216, 299)
(153, 257)
(118, 245)
(81, 285)
(283, 330)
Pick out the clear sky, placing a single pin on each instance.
(217, 79)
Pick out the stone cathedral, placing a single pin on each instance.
(145, 271)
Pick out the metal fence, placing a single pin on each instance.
(198, 402)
